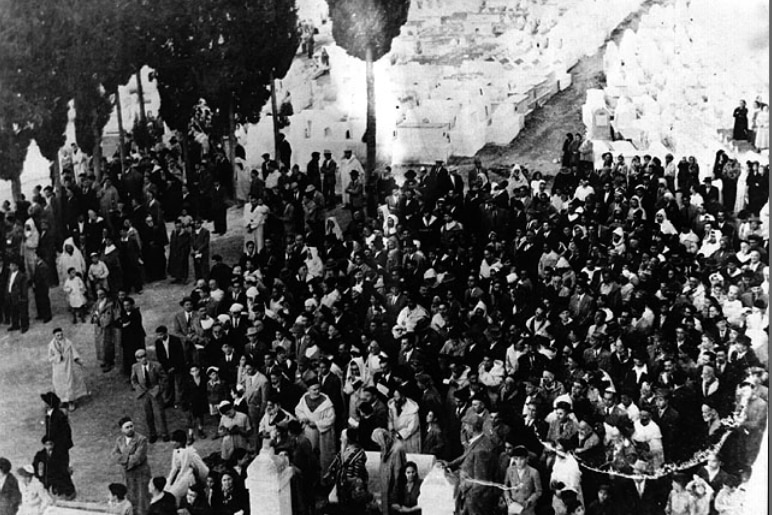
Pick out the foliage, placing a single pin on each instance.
(93, 109)
(357, 24)
(223, 51)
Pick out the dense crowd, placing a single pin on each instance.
(563, 340)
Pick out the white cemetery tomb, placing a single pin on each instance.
(437, 493)
(268, 482)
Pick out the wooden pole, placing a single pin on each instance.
(275, 117)
(370, 128)
(121, 135)
(141, 97)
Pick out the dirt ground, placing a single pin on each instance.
(539, 144)
(25, 372)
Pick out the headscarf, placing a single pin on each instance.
(666, 226)
(336, 230)
(31, 234)
(75, 260)
(708, 248)
(384, 440)
(388, 231)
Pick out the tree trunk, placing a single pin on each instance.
(56, 174)
(96, 155)
(16, 186)
(141, 97)
(232, 143)
(185, 157)
(16, 178)
(275, 117)
(370, 129)
(121, 134)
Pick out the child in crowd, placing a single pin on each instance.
(75, 289)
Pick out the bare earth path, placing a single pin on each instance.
(540, 142)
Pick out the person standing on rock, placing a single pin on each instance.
(740, 130)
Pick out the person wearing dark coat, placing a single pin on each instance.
(94, 231)
(313, 172)
(170, 353)
(47, 251)
(130, 251)
(179, 253)
(758, 188)
(221, 272)
(478, 461)
(231, 497)
(5, 313)
(58, 429)
(161, 502)
(740, 129)
(132, 333)
(52, 470)
(641, 497)
(17, 298)
(10, 495)
(172, 200)
(219, 209)
(41, 280)
(112, 259)
(200, 249)
(194, 502)
(194, 400)
(154, 240)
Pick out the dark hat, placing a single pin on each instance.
(520, 452)
(51, 399)
(461, 394)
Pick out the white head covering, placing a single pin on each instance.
(336, 230)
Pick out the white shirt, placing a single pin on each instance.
(11, 279)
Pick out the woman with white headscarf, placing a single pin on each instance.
(355, 382)
(710, 244)
(390, 225)
(332, 228)
(30, 247)
(71, 257)
(635, 206)
(618, 242)
(666, 227)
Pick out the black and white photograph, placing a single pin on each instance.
(384, 257)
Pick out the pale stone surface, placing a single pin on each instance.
(437, 491)
(268, 481)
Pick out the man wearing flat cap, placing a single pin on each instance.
(148, 379)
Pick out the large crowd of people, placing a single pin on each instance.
(560, 339)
